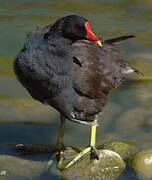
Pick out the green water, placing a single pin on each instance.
(128, 113)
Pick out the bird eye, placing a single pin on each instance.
(77, 28)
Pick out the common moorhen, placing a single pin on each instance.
(66, 66)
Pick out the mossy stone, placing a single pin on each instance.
(109, 166)
(124, 149)
(142, 164)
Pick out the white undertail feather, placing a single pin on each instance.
(93, 123)
(128, 70)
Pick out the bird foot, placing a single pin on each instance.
(62, 153)
(90, 149)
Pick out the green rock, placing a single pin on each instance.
(109, 166)
(124, 149)
(142, 164)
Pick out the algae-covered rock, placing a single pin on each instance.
(109, 166)
(142, 164)
(124, 149)
(17, 168)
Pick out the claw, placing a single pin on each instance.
(94, 154)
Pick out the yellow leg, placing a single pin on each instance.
(90, 149)
(93, 135)
(94, 153)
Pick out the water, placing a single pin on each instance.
(127, 115)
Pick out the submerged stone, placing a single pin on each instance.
(142, 164)
(109, 166)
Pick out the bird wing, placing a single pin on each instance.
(96, 70)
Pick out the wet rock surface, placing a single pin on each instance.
(17, 168)
(124, 149)
(109, 166)
(142, 164)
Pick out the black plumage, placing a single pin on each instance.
(60, 66)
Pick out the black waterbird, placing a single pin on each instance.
(66, 66)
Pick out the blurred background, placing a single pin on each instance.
(127, 115)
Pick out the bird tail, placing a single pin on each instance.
(118, 39)
(129, 68)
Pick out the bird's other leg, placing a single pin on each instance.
(60, 147)
(90, 149)
(60, 137)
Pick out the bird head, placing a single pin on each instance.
(75, 28)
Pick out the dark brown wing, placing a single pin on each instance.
(96, 71)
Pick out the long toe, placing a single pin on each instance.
(78, 157)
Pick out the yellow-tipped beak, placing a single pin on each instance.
(98, 42)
